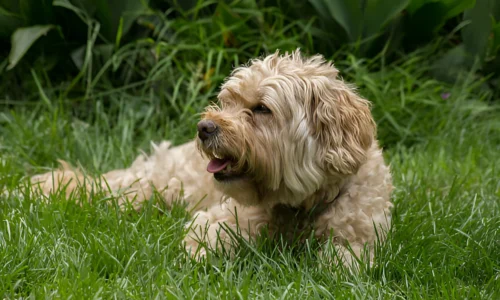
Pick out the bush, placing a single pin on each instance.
(366, 28)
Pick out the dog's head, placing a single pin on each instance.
(284, 125)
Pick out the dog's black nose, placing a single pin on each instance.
(206, 129)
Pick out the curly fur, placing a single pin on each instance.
(315, 152)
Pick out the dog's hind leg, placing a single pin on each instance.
(130, 185)
(176, 173)
(65, 179)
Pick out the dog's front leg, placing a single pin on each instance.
(350, 255)
(221, 226)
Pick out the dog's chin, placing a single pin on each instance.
(229, 177)
(243, 190)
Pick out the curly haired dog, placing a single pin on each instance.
(291, 147)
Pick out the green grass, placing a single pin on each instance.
(444, 155)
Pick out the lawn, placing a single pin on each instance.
(444, 153)
(442, 141)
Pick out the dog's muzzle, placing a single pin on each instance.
(207, 129)
(221, 165)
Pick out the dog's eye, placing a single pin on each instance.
(261, 109)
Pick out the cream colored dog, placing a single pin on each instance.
(291, 147)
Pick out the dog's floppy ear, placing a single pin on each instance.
(343, 124)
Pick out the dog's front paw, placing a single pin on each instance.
(353, 257)
(197, 237)
(195, 249)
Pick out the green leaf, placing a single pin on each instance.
(416, 5)
(109, 14)
(9, 21)
(496, 37)
(379, 12)
(425, 21)
(347, 13)
(114, 16)
(496, 11)
(476, 34)
(360, 19)
(453, 7)
(5, 12)
(78, 55)
(37, 11)
(68, 5)
(453, 63)
(456, 7)
(23, 39)
(426, 17)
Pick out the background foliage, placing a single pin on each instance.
(65, 37)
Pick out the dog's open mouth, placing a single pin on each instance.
(223, 170)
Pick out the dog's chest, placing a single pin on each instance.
(292, 223)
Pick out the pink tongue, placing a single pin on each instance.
(217, 165)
